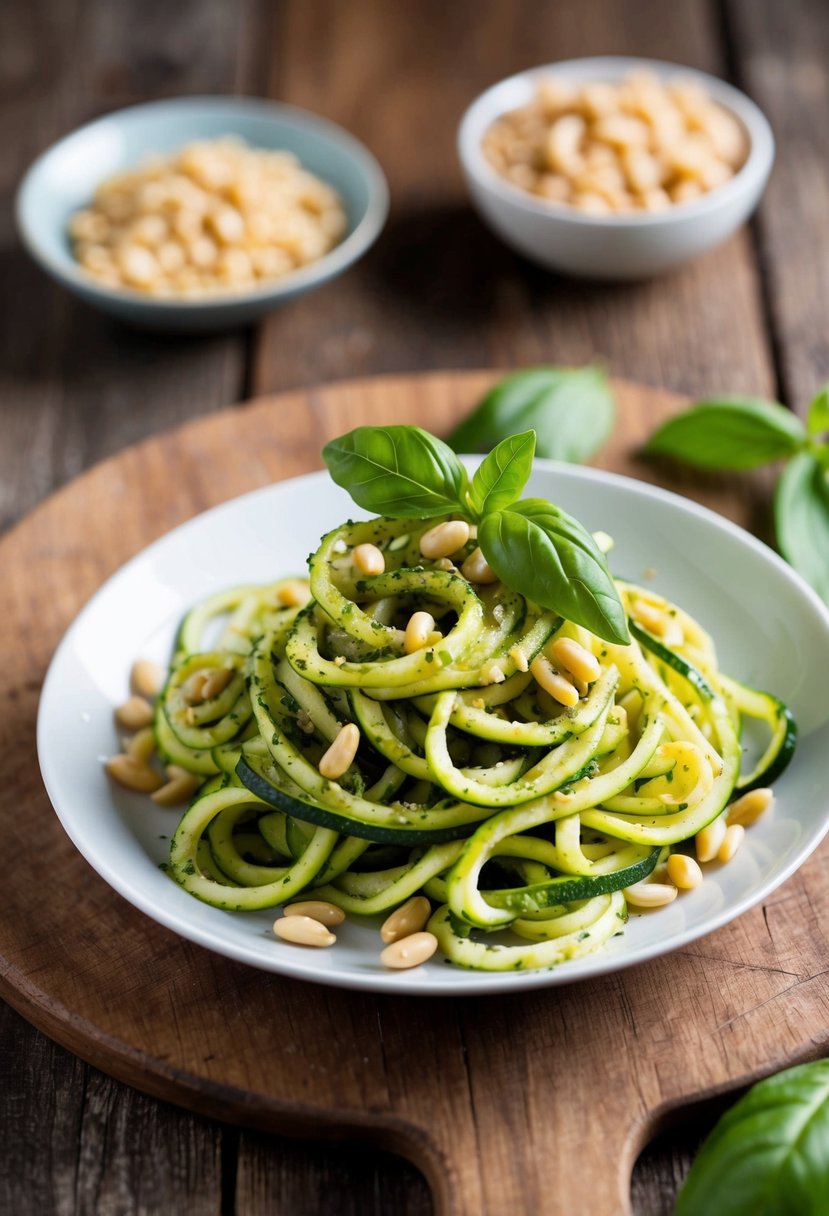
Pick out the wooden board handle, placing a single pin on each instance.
(572, 1159)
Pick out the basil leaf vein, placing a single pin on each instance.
(547, 555)
(398, 470)
(769, 1155)
(730, 433)
(571, 411)
(801, 517)
(502, 475)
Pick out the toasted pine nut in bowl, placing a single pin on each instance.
(613, 167)
(200, 213)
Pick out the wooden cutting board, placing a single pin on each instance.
(513, 1104)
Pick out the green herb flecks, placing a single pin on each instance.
(534, 547)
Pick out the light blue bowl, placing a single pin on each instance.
(64, 178)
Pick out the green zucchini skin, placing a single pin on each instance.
(648, 642)
(569, 888)
(749, 701)
(187, 865)
(753, 703)
(468, 775)
(253, 775)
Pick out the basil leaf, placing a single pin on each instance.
(570, 410)
(817, 419)
(729, 433)
(502, 475)
(769, 1155)
(540, 551)
(801, 518)
(397, 470)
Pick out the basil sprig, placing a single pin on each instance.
(730, 433)
(801, 519)
(736, 433)
(501, 477)
(533, 546)
(397, 470)
(768, 1153)
(559, 563)
(571, 411)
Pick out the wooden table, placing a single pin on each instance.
(437, 291)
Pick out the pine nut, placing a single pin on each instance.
(564, 144)
(491, 673)
(318, 909)
(444, 539)
(732, 840)
(577, 659)
(684, 872)
(476, 569)
(519, 658)
(303, 931)
(216, 682)
(294, 594)
(134, 714)
(750, 807)
(179, 789)
(369, 559)
(146, 678)
(420, 625)
(650, 894)
(141, 746)
(674, 635)
(337, 760)
(193, 689)
(556, 685)
(409, 951)
(652, 619)
(409, 918)
(133, 775)
(709, 839)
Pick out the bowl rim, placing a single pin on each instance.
(336, 260)
(129, 885)
(482, 112)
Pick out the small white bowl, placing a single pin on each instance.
(610, 247)
(64, 178)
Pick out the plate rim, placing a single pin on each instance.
(472, 983)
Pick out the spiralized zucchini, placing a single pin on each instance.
(521, 819)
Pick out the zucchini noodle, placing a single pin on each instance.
(522, 820)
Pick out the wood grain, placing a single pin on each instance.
(499, 1132)
(439, 290)
(75, 387)
(83, 1143)
(780, 54)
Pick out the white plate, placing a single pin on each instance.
(771, 631)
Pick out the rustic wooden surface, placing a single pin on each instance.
(436, 291)
(480, 1096)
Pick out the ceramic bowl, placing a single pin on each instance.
(618, 246)
(770, 629)
(64, 178)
